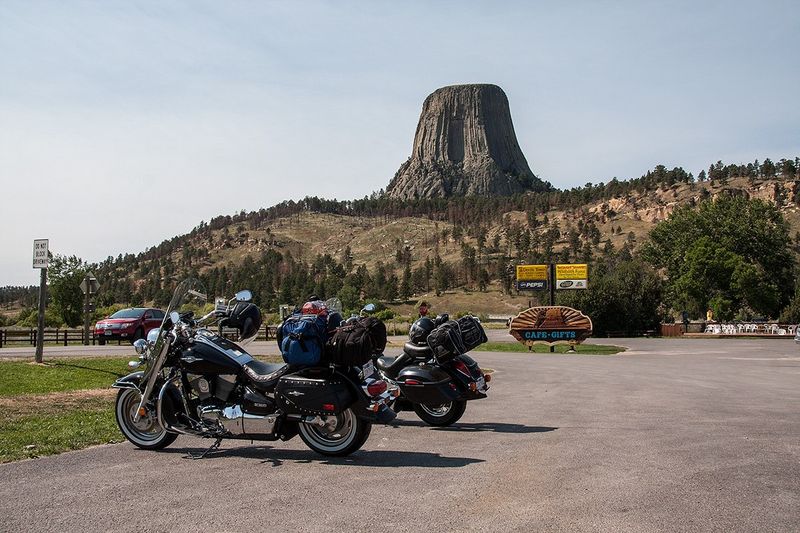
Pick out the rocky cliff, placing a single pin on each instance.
(465, 145)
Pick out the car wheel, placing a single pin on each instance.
(101, 341)
(138, 334)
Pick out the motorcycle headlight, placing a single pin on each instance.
(140, 346)
(152, 336)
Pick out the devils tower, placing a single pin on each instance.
(465, 145)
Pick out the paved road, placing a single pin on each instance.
(256, 348)
(674, 435)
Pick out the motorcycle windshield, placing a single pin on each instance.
(189, 295)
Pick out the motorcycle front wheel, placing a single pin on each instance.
(441, 415)
(337, 435)
(146, 433)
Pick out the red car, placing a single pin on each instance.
(130, 324)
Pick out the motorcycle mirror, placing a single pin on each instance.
(175, 317)
(369, 308)
(244, 296)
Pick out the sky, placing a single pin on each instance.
(123, 124)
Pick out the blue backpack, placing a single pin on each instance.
(302, 339)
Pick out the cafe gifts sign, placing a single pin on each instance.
(551, 324)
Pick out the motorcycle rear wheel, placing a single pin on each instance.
(344, 434)
(147, 433)
(441, 415)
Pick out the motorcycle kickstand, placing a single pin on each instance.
(212, 450)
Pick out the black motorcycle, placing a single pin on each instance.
(196, 382)
(437, 378)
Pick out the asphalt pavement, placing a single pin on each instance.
(256, 348)
(673, 435)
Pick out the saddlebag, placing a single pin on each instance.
(313, 392)
(445, 341)
(472, 332)
(355, 343)
(427, 384)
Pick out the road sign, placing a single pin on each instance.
(41, 255)
(572, 276)
(89, 285)
(531, 272)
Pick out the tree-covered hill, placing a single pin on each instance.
(383, 248)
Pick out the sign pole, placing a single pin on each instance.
(551, 271)
(40, 322)
(41, 260)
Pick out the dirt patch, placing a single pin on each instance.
(52, 403)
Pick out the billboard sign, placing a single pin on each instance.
(532, 277)
(572, 276)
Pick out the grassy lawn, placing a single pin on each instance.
(59, 375)
(33, 426)
(60, 405)
(585, 349)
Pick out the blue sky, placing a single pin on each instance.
(126, 123)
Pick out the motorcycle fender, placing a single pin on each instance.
(131, 381)
(466, 382)
(363, 403)
(169, 406)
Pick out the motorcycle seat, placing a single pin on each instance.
(392, 365)
(418, 351)
(264, 376)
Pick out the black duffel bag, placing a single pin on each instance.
(472, 332)
(355, 343)
(445, 341)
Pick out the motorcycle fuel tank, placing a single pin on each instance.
(211, 354)
(427, 384)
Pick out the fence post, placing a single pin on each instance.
(1, 337)
(65, 337)
(34, 335)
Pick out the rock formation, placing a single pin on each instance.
(465, 145)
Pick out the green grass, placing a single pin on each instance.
(56, 427)
(585, 349)
(59, 375)
(61, 405)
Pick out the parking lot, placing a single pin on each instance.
(673, 435)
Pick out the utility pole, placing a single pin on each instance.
(89, 286)
(86, 298)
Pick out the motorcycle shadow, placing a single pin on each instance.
(496, 427)
(383, 458)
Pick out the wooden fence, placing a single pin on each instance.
(68, 336)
